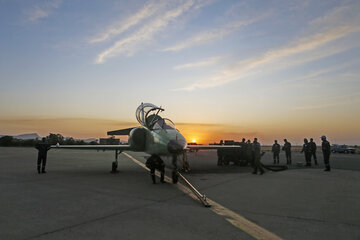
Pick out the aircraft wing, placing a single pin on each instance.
(125, 131)
(93, 147)
(200, 147)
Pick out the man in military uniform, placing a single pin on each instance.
(257, 155)
(307, 151)
(42, 147)
(313, 150)
(326, 149)
(155, 162)
(243, 149)
(287, 149)
(276, 151)
(249, 152)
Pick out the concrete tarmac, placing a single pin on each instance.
(79, 199)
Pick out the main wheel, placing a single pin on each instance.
(114, 167)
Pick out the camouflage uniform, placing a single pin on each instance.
(249, 153)
(257, 155)
(287, 149)
(313, 151)
(326, 153)
(276, 151)
(307, 151)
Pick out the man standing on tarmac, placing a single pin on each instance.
(249, 152)
(243, 149)
(155, 162)
(306, 149)
(257, 155)
(276, 151)
(287, 149)
(313, 150)
(42, 147)
(326, 152)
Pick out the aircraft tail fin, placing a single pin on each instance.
(125, 131)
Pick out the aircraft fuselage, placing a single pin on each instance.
(163, 142)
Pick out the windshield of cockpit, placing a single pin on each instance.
(163, 123)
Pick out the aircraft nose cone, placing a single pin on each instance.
(176, 146)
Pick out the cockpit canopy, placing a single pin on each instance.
(147, 115)
(163, 123)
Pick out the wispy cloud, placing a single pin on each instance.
(318, 106)
(135, 41)
(331, 101)
(209, 35)
(43, 10)
(202, 63)
(299, 46)
(117, 28)
(318, 73)
(319, 37)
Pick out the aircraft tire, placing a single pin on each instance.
(114, 167)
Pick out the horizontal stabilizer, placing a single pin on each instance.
(125, 131)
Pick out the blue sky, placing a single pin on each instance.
(250, 68)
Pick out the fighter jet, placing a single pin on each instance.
(156, 136)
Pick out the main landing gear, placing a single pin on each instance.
(114, 164)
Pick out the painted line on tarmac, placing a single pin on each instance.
(235, 219)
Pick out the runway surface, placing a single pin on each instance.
(79, 199)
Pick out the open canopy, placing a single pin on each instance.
(147, 115)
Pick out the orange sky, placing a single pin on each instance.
(202, 133)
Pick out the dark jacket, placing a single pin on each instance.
(287, 147)
(256, 149)
(275, 148)
(312, 147)
(306, 148)
(325, 146)
(43, 148)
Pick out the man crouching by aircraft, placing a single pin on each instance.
(155, 162)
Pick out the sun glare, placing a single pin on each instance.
(193, 141)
